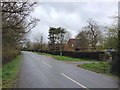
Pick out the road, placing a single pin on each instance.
(39, 71)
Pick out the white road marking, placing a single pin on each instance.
(74, 81)
(47, 64)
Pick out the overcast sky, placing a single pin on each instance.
(71, 15)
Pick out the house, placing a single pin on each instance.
(75, 45)
(72, 45)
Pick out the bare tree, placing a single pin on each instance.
(15, 22)
(93, 32)
(38, 38)
(67, 36)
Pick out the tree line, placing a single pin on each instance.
(15, 25)
(98, 37)
(93, 37)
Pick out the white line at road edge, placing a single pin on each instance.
(47, 64)
(74, 81)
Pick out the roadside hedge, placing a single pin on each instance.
(7, 56)
(84, 55)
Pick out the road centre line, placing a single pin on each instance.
(74, 81)
(46, 64)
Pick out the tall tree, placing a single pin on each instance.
(61, 32)
(93, 32)
(52, 37)
(56, 36)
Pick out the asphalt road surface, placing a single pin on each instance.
(38, 71)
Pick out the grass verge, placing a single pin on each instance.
(9, 72)
(64, 58)
(100, 67)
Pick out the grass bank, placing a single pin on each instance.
(10, 72)
(65, 58)
(100, 67)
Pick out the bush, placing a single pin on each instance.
(7, 56)
(115, 64)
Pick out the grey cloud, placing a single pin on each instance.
(72, 16)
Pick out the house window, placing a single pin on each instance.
(72, 45)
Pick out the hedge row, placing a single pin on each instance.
(7, 56)
(84, 55)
